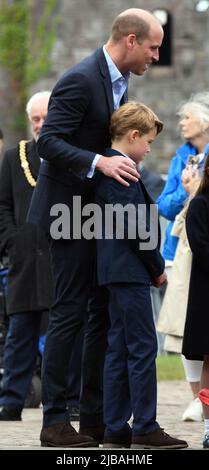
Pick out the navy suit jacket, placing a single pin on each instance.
(75, 130)
(121, 260)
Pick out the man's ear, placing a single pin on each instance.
(131, 41)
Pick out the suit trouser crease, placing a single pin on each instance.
(20, 355)
(130, 372)
(72, 267)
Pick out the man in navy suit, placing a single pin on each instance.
(72, 144)
(127, 265)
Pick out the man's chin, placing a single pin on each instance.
(139, 73)
(143, 71)
(146, 68)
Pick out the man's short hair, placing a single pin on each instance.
(130, 24)
(1, 134)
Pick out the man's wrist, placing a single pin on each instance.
(100, 163)
(90, 173)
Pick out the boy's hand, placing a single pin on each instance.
(160, 280)
(118, 168)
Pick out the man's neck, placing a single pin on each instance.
(117, 57)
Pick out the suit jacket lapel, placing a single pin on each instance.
(109, 152)
(124, 98)
(146, 194)
(106, 79)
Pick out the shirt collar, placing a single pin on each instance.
(115, 74)
(124, 154)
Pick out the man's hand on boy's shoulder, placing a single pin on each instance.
(118, 168)
(160, 280)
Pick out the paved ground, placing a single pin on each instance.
(173, 397)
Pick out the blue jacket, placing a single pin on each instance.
(122, 260)
(172, 199)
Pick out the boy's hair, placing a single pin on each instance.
(133, 115)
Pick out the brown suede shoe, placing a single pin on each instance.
(64, 435)
(96, 432)
(121, 439)
(157, 439)
(10, 414)
(117, 442)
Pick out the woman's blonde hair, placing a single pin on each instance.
(133, 115)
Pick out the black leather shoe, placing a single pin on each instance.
(96, 432)
(10, 414)
(74, 413)
(64, 435)
(206, 441)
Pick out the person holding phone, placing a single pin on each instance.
(195, 342)
(194, 125)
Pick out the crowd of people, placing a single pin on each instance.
(101, 344)
(182, 181)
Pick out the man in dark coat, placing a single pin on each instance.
(72, 144)
(29, 281)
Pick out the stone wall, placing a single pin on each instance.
(85, 25)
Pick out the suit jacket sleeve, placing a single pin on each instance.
(152, 259)
(7, 224)
(68, 107)
(197, 227)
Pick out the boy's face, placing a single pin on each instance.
(140, 144)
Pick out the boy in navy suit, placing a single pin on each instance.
(127, 267)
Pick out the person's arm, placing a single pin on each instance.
(7, 223)
(190, 179)
(172, 199)
(151, 258)
(68, 106)
(160, 280)
(197, 227)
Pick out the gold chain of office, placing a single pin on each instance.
(25, 164)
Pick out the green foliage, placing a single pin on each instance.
(41, 45)
(169, 367)
(13, 43)
(25, 57)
